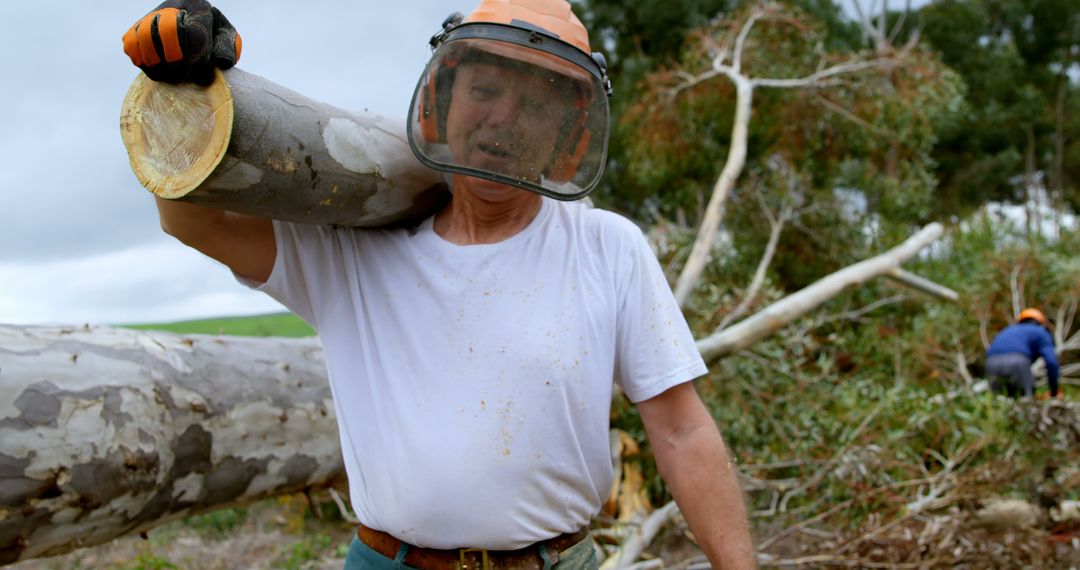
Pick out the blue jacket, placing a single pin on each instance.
(1031, 340)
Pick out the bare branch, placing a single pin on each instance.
(1063, 324)
(862, 497)
(691, 81)
(782, 312)
(744, 88)
(854, 118)
(823, 560)
(776, 227)
(346, 513)
(881, 35)
(922, 284)
(641, 537)
(736, 58)
(913, 40)
(961, 366)
(864, 20)
(772, 367)
(1017, 289)
(817, 78)
(858, 313)
(938, 484)
(984, 333)
(779, 464)
(714, 211)
(900, 23)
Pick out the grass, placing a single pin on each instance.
(275, 324)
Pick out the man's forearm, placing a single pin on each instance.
(698, 471)
(243, 243)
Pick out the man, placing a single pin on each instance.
(472, 358)
(1015, 348)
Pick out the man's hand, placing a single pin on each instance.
(183, 40)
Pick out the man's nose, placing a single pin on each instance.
(503, 109)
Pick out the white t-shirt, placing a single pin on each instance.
(473, 384)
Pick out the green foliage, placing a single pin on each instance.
(279, 324)
(217, 522)
(147, 561)
(305, 551)
(860, 411)
(1015, 57)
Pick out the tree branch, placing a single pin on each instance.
(782, 312)
(922, 284)
(817, 77)
(640, 538)
(776, 227)
(736, 58)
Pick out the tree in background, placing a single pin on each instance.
(1019, 60)
(760, 89)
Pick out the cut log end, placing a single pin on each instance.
(176, 134)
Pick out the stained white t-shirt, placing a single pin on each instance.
(473, 384)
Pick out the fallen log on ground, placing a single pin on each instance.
(106, 432)
(248, 145)
(779, 314)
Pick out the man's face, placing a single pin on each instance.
(505, 120)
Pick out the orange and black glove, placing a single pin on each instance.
(181, 41)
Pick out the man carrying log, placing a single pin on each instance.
(472, 357)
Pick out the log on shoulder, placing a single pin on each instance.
(105, 432)
(251, 146)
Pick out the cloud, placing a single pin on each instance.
(79, 237)
(160, 281)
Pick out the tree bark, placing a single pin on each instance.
(105, 432)
(251, 146)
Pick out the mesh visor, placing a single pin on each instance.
(511, 113)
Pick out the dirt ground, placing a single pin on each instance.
(275, 534)
(284, 533)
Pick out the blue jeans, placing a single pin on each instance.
(1011, 374)
(581, 556)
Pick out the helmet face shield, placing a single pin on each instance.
(511, 113)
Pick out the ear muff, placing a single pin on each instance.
(428, 116)
(569, 156)
(434, 101)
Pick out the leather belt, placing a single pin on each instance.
(470, 558)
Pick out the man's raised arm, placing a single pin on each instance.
(243, 243)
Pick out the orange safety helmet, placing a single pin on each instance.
(1030, 313)
(539, 37)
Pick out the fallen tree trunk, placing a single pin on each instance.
(105, 432)
(776, 316)
(251, 146)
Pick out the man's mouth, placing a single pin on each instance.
(494, 149)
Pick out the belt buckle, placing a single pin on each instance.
(485, 561)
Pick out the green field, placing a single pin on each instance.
(276, 324)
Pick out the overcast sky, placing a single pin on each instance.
(79, 239)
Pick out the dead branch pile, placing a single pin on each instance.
(978, 507)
